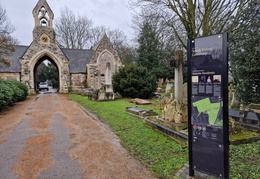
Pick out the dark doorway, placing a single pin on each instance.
(46, 70)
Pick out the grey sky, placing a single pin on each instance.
(111, 13)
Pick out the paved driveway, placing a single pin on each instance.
(49, 136)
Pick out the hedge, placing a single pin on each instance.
(11, 91)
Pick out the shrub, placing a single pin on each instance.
(11, 91)
(135, 82)
(6, 95)
(17, 95)
(24, 89)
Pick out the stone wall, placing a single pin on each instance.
(10, 76)
(93, 76)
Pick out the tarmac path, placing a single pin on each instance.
(49, 136)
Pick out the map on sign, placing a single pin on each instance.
(207, 112)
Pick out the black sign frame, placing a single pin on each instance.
(223, 165)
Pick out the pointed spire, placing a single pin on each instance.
(105, 36)
(105, 39)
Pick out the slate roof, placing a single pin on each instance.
(78, 59)
(15, 63)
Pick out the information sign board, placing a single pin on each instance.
(208, 105)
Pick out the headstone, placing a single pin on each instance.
(140, 101)
(175, 111)
(185, 91)
(141, 113)
(168, 87)
(106, 93)
(234, 102)
(159, 90)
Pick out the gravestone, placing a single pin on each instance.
(168, 88)
(141, 113)
(175, 111)
(140, 101)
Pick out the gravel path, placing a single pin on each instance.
(49, 136)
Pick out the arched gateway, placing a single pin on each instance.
(77, 68)
(44, 46)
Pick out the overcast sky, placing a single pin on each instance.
(111, 13)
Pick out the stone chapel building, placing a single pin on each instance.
(77, 68)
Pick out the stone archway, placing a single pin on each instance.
(29, 64)
(34, 63)
(41, 60)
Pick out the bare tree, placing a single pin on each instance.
(6, 41)
(77, 32)
(5, 25)
(127, 54)
(118, 39)
(196, 17)
(96, 35)
(116, 36)
(168, 42)
(73, 31)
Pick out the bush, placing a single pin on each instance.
(135, 82)
(22, 87)
(11, 91)
(17, 92)
(6, 95)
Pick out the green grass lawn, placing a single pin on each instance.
(244, 161)
(159, 153)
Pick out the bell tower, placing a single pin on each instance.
(43, 31)
(44, 47)
(43, 15)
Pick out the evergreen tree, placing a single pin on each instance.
(134, 81)
(244, 55)
(53, 75)
(48, 72)
(150, 53)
